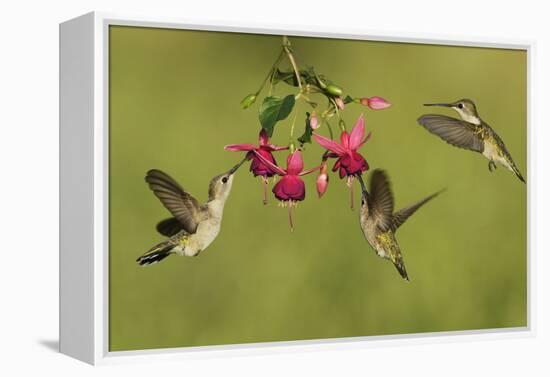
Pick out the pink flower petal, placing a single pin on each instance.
(270, 164)
(357, 133)
(294, 163)
(331, 145)
(342, 173)
(336, 165)
(272, 147)
(257, 167)
(305, 172)
(365, 140)
(351, 164)
(290, 187)
(344, 140)
(378, 103)
(279, 192)
(239, 147)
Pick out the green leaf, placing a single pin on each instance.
(274, 109)
(306, 137)
(348, 99)
(289, 77)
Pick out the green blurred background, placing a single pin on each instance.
(174, 103)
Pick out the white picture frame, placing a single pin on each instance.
(84, 190)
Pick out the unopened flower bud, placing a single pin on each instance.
(322, 180)
(248, 101)
(313, 121)
(334, 90)
(339, 103)
(375, 103)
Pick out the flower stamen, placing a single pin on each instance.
(290, 206)
(349, 183)
(265, 183)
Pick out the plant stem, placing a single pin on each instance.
(271, 71)
(307, 100)
(342, 124)
(293, 123)
(336, 109)
(286, 47)
(329, 129)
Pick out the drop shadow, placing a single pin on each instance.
(51, 344)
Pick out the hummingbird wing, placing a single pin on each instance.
(402, 215)
(454, 131)
(380, 200)
(184, 207)
(169, 227)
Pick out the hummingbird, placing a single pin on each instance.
(193, 226)
(470, 132)
(379, 222)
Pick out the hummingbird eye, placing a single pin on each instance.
(224, 179)
(460, 106)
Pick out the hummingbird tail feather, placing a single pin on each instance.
(511, 165)
(517, 173)
(401, 268)
(156, 254)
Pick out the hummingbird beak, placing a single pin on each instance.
(363, 188)
(439, 104)
(234, 168)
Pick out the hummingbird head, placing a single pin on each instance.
(220, 185)
(364, 201)
(364, 196)
(465, 108)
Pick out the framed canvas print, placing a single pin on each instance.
(230, 189)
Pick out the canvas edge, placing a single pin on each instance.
(531, 190)
(101, 354)
(76, 191)
(320, 31)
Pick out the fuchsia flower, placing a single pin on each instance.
(349, 162)
(257, 167)
(264, 149)
(375, 103)
(291, 188)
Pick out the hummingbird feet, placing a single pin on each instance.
(492, 166)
